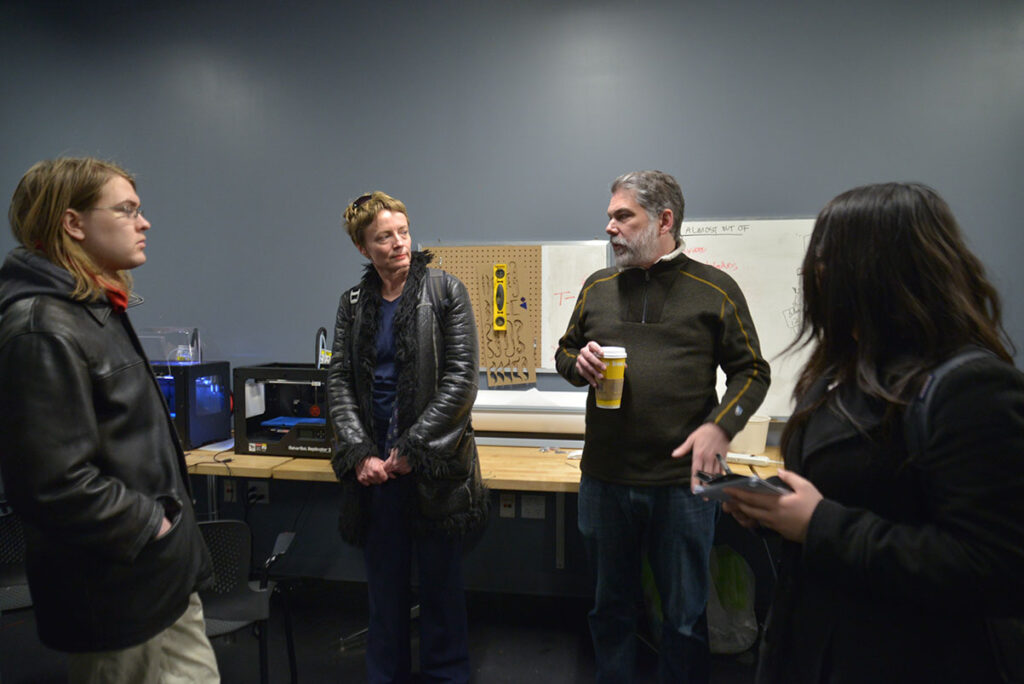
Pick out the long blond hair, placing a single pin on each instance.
(44, 194)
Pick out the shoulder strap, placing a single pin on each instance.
(916, 424)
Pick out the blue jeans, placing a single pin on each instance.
(675, 529)
(390, 547)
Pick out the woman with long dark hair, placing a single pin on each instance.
(902, 557)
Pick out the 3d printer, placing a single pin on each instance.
(281, 409)
(198, 392)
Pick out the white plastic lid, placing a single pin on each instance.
(613, 352)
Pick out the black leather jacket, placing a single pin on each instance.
(436, 343)
(91, 462)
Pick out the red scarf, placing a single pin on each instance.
(118, 298)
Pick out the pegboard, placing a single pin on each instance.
(509, 357)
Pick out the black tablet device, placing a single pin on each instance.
(713, 487)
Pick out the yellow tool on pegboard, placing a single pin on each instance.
(500, 299)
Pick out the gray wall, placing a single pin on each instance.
(251, 124)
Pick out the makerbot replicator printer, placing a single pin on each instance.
(198, 392)
(282, 409)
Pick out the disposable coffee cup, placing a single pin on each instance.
(609, 390)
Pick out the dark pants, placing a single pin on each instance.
(675, 529)
(444, 638)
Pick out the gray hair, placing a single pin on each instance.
(655, 191)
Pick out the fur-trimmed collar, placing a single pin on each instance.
(406, 340)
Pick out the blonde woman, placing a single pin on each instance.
(401, 386)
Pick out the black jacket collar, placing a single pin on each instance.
(26, 274)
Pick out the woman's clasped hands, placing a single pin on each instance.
(373, 470)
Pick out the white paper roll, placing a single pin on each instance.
(529, 421)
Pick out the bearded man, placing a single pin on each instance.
(679, 320)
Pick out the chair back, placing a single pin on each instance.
(12, 541)
(14, 591)
(229, 596)
(232, 601)
(230, 545)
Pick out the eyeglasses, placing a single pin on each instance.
(127, 210)
(361, 200)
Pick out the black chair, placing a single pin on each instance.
(14, 591)
(233, 602)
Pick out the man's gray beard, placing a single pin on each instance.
(644, 249)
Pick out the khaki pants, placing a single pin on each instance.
(179, 654)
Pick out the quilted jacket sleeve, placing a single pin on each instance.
(432, 440)
(352, 441)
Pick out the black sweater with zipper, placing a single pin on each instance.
(679, 320)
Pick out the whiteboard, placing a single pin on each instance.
(763, 257)
(564, 269)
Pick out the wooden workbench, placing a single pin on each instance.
(228, 463)
(516, 471)
(524, 469)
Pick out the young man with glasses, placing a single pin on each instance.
(89, 456)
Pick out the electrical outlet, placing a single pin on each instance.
(532, 506)
(258, 492)
(230, 494)
(507, 508)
